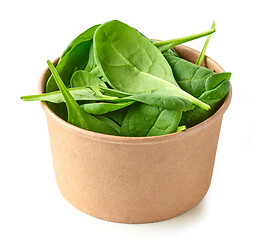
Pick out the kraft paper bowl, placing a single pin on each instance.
(134, 179)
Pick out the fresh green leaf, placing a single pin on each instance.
(74, 58)
(115, 92)
(96, 71)
(163, 99)
(203, 83)
(83, 78)
(190, 77)
(172, 52)
(110, 122)
(160, 98)
(83, 37)
(117, 116)
(145, 120)
(132, 64)
(124, 57)
(104, 107)
(91, 60)
(212, 97)
(216, 79)
(76, 115)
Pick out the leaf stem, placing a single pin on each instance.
(202, 54)
(194, 100)
(167, 44)
(181, 128)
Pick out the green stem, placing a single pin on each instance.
(167, 44)
(202, 54)
(181, 128)
(194, 100)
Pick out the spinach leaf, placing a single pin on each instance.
(130, 63)
(104, 107)
(74, 57)
(203, 83)
(117, 116)
(85, 36)
(115, 92)
(91, 60)
(216, 79)
(164, 99)
(145, 120)
(172, 52)
(73, 60)
(212, 97)
(193, 78)
(76, 115)
(119, 51)
(189, 76)
(96, 71)
(83, 78)
(160, 98)
(110, 122)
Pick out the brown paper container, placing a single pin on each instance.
(134, 179)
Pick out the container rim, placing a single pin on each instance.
(135, 140)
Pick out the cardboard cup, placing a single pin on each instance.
(134, 179)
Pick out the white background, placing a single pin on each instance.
(31, 206)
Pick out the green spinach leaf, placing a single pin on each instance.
(117, 116)
(145, 120)
(160, 98)
(203, 83)
(76, 115)
(164, 99)
(189, 76)
(132, 64)
(124, 57)
(85, 36)
(212, 97)
(74, 57)
(74, 60)
(104, 107)
(91, 60)
(83, 78)
(110, 122)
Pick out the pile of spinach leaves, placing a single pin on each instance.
(111, 79)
